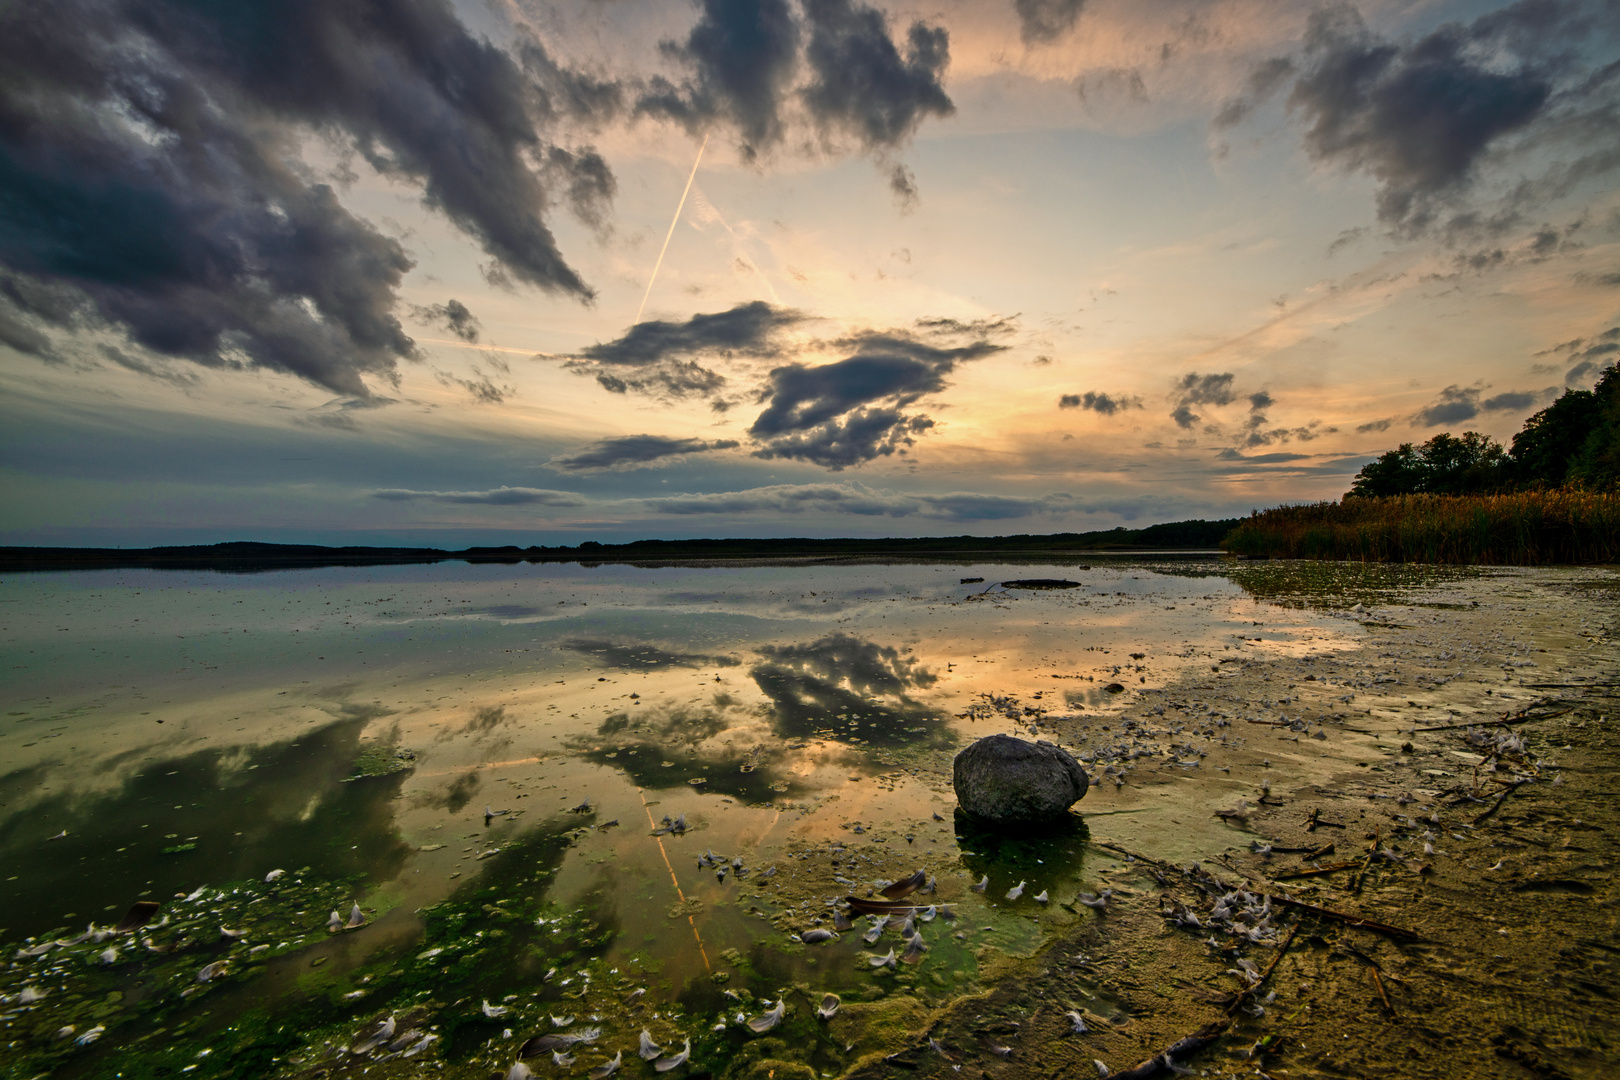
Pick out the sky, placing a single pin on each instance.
(513, 271)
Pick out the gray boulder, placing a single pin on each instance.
(1008, 781)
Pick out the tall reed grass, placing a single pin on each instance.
(1518, 529)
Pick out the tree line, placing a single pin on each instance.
(1572, 443)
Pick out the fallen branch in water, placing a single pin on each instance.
(1519, 718)
(1335, 868)
(1349, 920)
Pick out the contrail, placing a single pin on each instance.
(673, 222)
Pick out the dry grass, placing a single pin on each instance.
(1520, 529)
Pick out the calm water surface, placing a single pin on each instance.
(353, 726)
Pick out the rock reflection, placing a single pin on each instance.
(212, 816)
(846, 688)
(1048, 859)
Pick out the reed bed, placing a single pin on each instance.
(1518, 529)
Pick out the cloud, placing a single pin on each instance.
(677, 379)
(743, 60)
(861, 85)
(501, 496)
(1261, 400)
(143, 366)
(1196, 389)
(750, 329)
(743, 56)
(1512, 401)
(1374, 425)
(1454, 405)
(657, 356)
(1043, 21)
(1421, 117)
(1266, 78)
(860, 501)
(151, 163)
(1579, 372)
(482, 388)
(1096, 402)
(903, 186)
(452, 315)
(1278, 458)
(851, 411)
(629, 451)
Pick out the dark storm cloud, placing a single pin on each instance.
(860, 83)
(1105, 404)
(629, 451)
(749, 329)
(1421, 117)
(1196, 389)
(149, 159)
(656, 357)
(561, 93)
(851, 411)
(1374, 425)
(501, 496)
(1041, 21)
(743, 55)
(452, 315)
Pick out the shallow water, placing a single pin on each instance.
(353, 726)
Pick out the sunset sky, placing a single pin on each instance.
(369, 271)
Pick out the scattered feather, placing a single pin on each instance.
(886, 960)
(1016, 891)
(906, 886)
(829, 1006)
(983, 884)
(607, 1068)
(649, 1049)
(768, 1020)
(675, 1062)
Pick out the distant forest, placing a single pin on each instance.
(245, 556)
(1572, 443)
